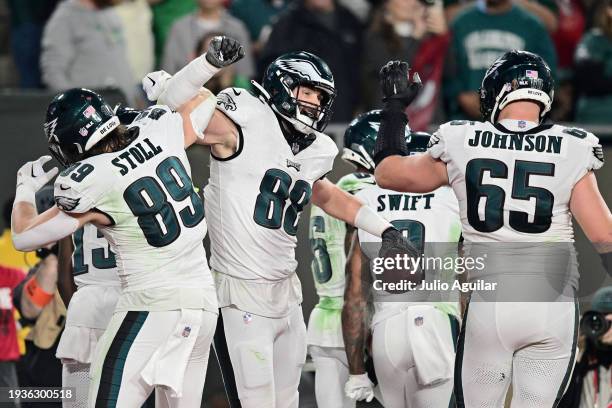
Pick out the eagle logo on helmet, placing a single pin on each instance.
(49, 129)
(302, 68)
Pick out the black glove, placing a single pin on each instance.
(224, 51)
(396, 85)
(393, 244)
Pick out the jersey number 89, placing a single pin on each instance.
(156, 216)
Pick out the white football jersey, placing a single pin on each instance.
(254, 198)
(424, 218)
(93, 261)
(514, 184)
(157, 217)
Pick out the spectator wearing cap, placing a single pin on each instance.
(414, 31)
(329, 31)
(593, 70)
(480, 34)
(188, 30)
(84, 46)
(591, 382)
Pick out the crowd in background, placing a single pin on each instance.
(113, 43)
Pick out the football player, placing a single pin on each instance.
(270, 163)
(518, 180)
(412, 339)
(328, 241)
(90, 264)
(134, 184)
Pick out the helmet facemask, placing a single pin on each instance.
(306, 117)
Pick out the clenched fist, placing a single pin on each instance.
(396, 84)
(224, 51)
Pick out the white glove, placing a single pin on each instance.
(31, 177)
(154, 83)
(359, 387)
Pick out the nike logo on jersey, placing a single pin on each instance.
(293, 164)
(152, 81)
(64, 188)
(236, 92)
(520, 142)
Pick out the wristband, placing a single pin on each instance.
(25, 194)
(367, 220)
(36, 294)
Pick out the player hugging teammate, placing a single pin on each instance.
(269, 159)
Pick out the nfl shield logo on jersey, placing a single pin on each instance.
(186, 331)
(247, 317)
(418, 321)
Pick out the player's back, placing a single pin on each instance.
(157, 217)
(430, 221)
(513, 181)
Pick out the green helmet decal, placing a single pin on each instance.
(76, 120)
(360, 138)
(281, 81)
(516, 76)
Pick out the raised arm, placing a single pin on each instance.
(354, 329)
(394, 169)
(183, 92)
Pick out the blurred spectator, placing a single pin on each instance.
(257, 14)
(38, 301)
(331, 32)
(545, 10)
(84, 46)
(480, 34)
(188, 30)
(9, 256)
(591, 382)
(411, 31)
(571, 26)
(226, 77)
(593, 70)
(165, 13)
(28, 18)
(9, 347)
(137, 17)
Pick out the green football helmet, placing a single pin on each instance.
(76, 120)
(516, 76)
(360, 138)
(281, 79)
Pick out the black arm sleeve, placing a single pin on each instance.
(391, 138)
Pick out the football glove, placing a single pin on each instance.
(396, 85)
(359, 387)
(31, 177)
(154, 83)
(224, 51)
(393, 243)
